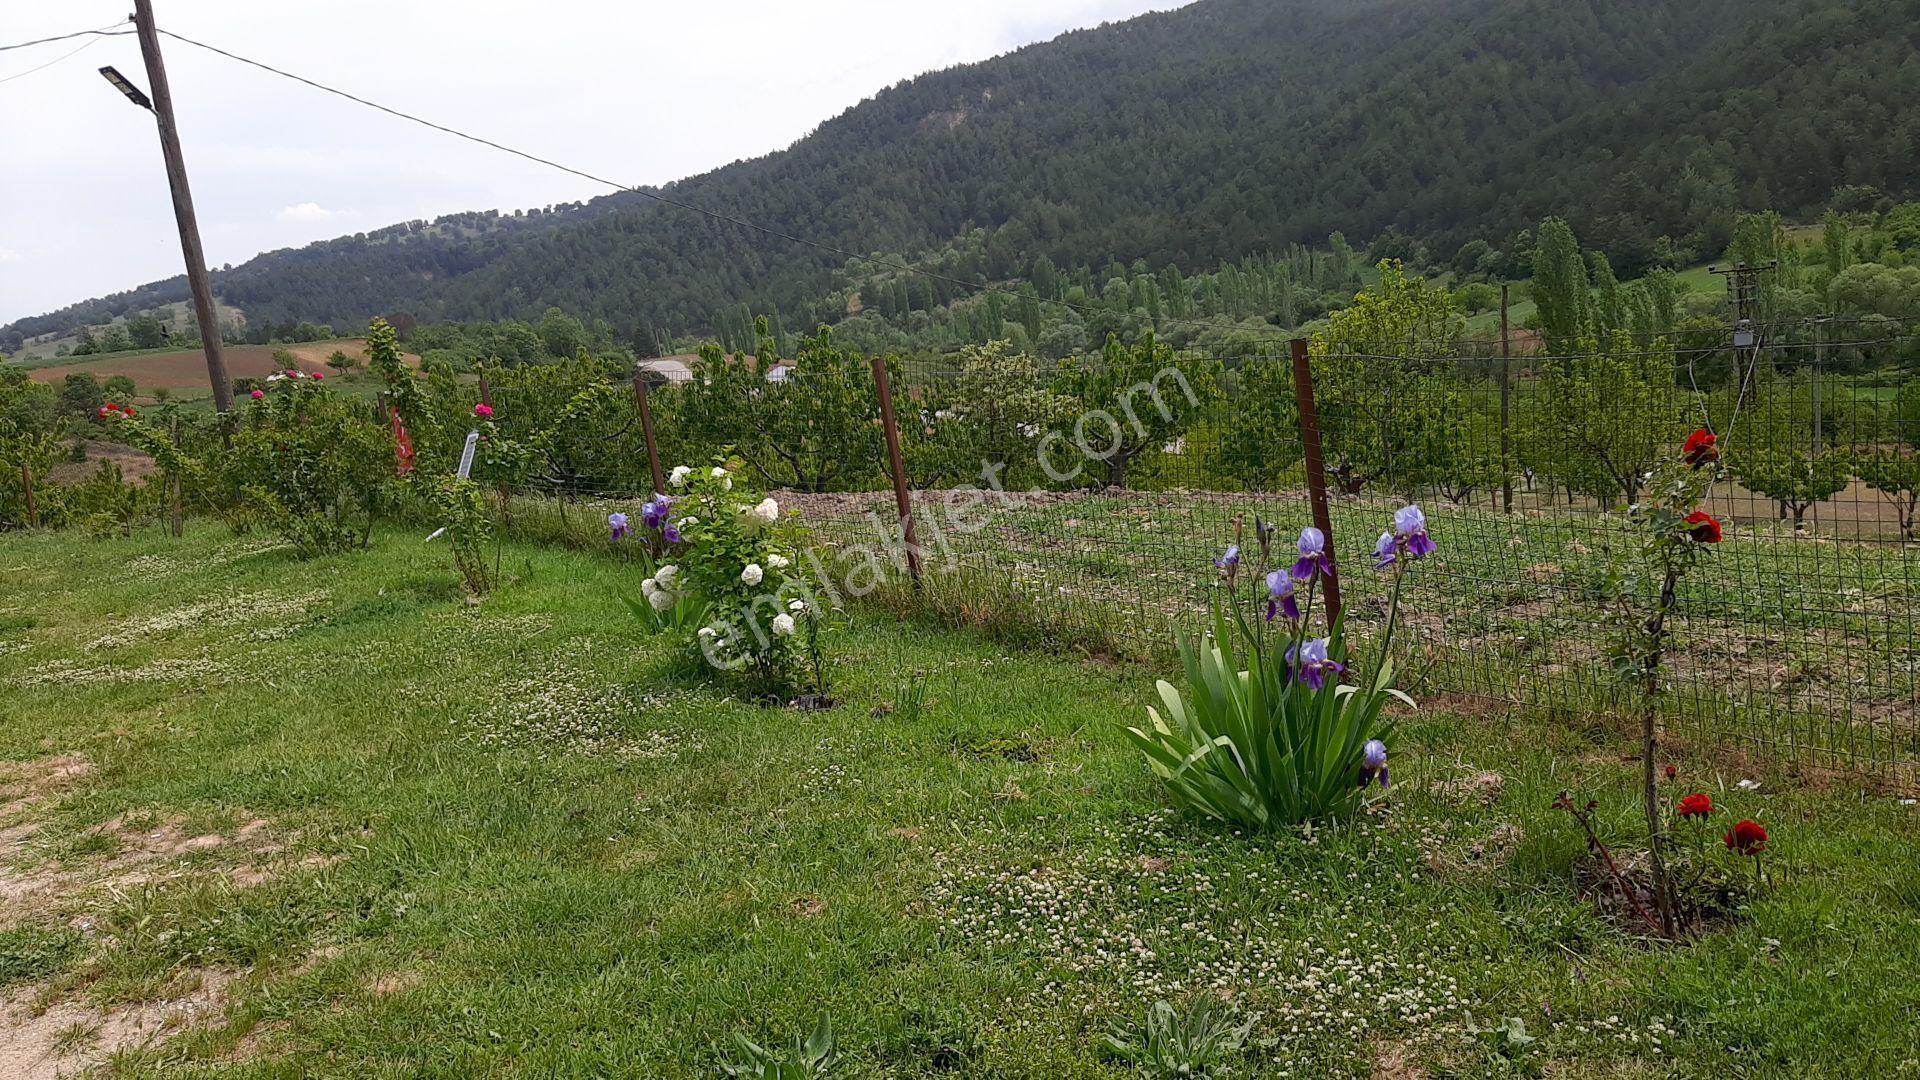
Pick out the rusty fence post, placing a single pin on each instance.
(643, 401)
(26, 484)
(1316, 468)
(901, 501)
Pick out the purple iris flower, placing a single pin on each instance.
(1410, 527)
(1280, 596)
(655, 512)
(1373, 763)
(1312, 662)
(1385, 552)
(1231, 560)
(1313, 555)
(618, 523)
(671, 534)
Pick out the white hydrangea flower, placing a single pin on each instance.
(779, 562)
(752, 574)
(767, 512)
(678, 477)
(783, 625)
(666, 574)
(718, 472)
(661, 599)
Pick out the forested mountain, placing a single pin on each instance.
(1224, 129)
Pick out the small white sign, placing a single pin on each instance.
(466, 456)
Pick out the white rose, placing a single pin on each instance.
(798, 607)
(661, 599)
(666, 574)
(778, 562)
(649, 586)
(752, 574)
(783, 625)
(678, 477)
(767, 512)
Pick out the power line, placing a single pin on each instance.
(64, 56)
(105, 31)
(714, 215)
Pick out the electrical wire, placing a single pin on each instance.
(64, 56)
(105, 31)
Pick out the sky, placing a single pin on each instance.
(642, 92)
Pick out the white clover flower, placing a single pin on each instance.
(666, 574)
(767, 512)
(779, 562)
(678, 477)
(752, 574)
(783, 625)
(661, 599)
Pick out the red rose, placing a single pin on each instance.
(1702, 446)
(1748, 837)
(483, 410)
(1672, 772)
(1703, 527)
(1698, 804)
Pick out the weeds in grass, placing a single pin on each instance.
(29, 953)
(1200, 1040)
(805, 1059)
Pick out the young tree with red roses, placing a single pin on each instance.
(1674, 534)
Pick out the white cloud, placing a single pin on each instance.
(8, 255)
(307, 213)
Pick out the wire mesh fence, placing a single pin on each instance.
(1085, 502)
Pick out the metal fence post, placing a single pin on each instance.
(1506, 408)
(1316, 467)
(901, 501)
(643, 400)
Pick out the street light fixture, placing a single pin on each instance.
(120, 83)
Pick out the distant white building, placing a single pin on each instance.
(673, 369)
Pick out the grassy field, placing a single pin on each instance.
(183, 372)
(265, 818)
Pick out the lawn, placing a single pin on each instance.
(270, 818)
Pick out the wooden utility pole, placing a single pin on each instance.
(183, 206)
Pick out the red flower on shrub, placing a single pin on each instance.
(1699, 804)
(1704, 527)
(483, 410)
(1672, 771)
(1748, 837)
(1702, 446)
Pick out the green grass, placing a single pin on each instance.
(522, 838)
